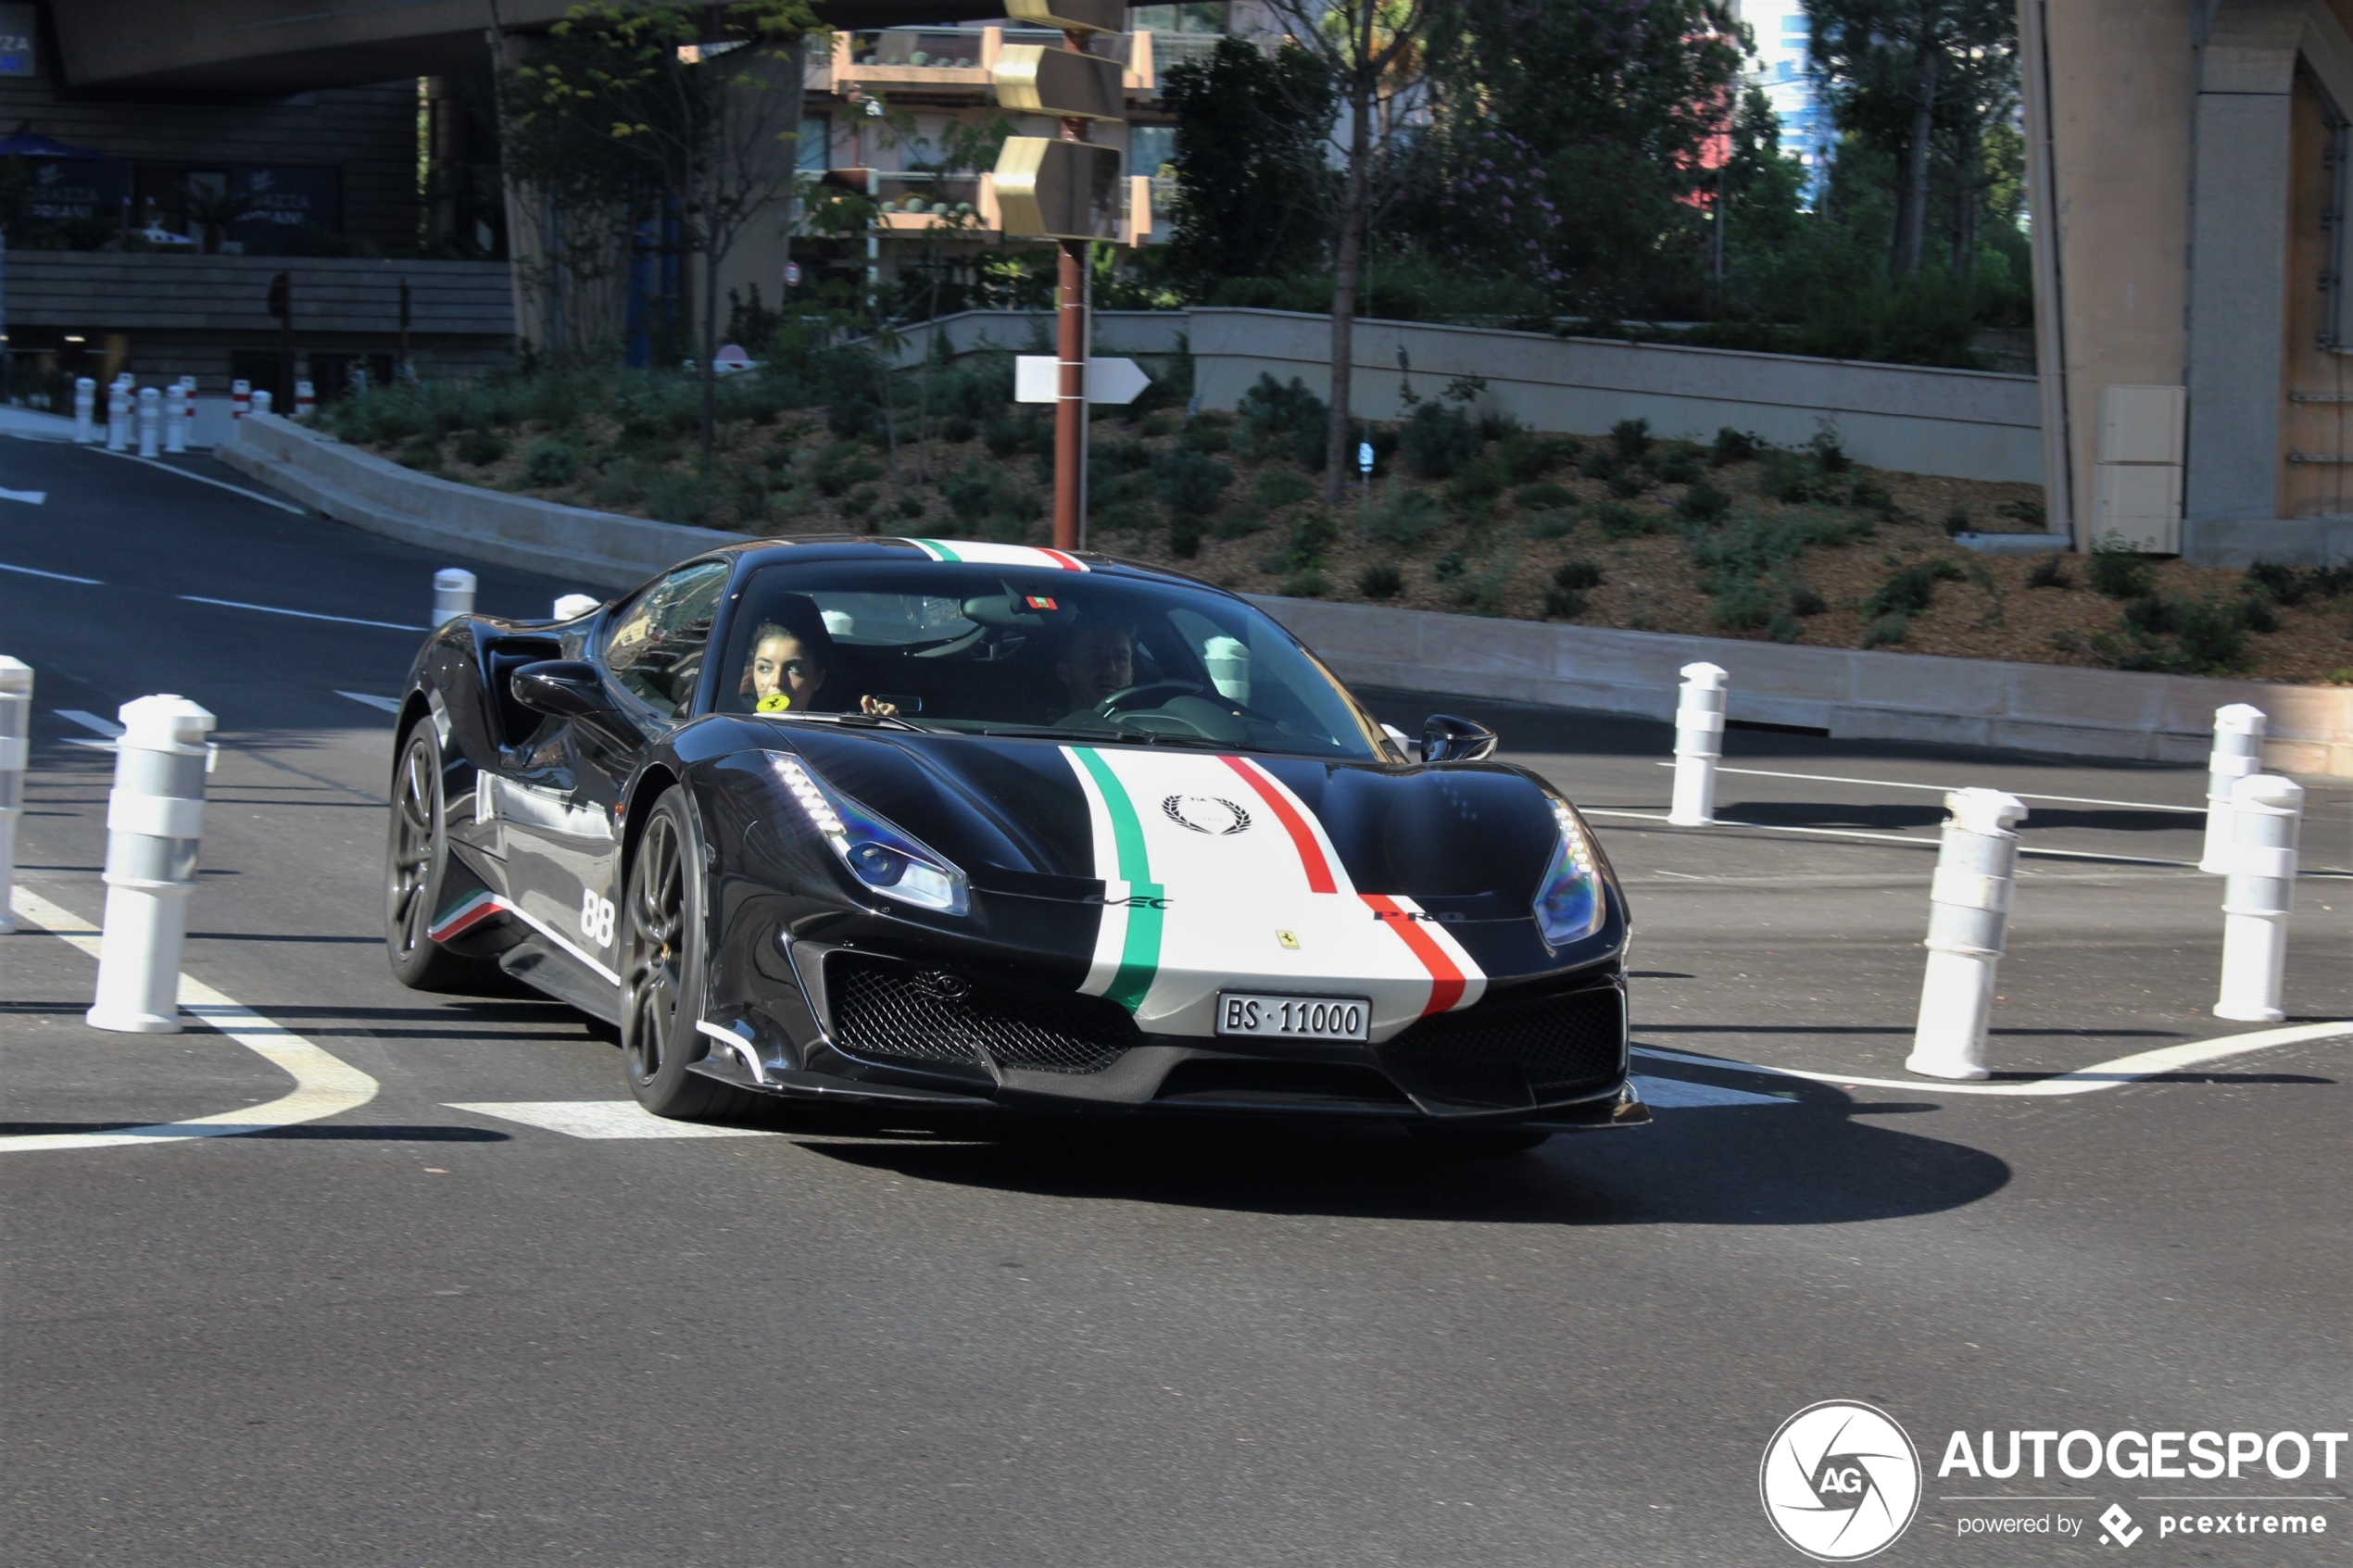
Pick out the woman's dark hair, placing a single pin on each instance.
(795, 616)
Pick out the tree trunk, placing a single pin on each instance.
(1344, 270)
(1911, 211)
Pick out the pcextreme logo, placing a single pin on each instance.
(1840, 1481)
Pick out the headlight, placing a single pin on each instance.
(895, 864)
(1569, 904)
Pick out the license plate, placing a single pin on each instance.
(1293, 1018)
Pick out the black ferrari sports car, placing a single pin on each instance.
(982, 826)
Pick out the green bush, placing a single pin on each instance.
(2177, 636)
(1735, 446)
(1207, 438)
(1280, 487)
(1829, 456)
(1448, 566)
(1887, 631)
(1184, 535)
(1537, 498)
(1563, 603)
(1309, 584)
(1438, 440)
(1788, 477)
(1632, 438)
(419, 451)
(1405, 519)
(1703, 503)
(550, 463)
(1785, 628)
(678, 498)
(1619, 521)
(1676, 463)
(1577, 574)
(1552, 526)
(1910, 589)
(2050, 571)
(1474, 492)
(1602, 463)
(1312, 538)
(480, 448)
(1381, 581)
(2121, 573)
(1110, 458)
(1187, 482)
(1743, 607)
(843, 466)
(1804, 600)
(1530, 456)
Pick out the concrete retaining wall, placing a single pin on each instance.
(1146, 336)
(596, 550)
(2043, 708)
(1962, 424)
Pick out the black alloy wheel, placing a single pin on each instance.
(662, 969)
(416, 870)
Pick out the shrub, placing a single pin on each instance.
(1242, 523)
(909, 506)
(1828, 454)
(1864, 493)
(1703, 503)
(550, 463)
(1438, 440)
(842, 466)
(1619, 520)
(1112, 459)
(419, 451)
(2050, 573)
(2034, 514)
(2290, 585)
(1675, 464)
(1567, 604)
(1632, 438)
(1381, 581)
(1006, 434)
(1627, 484)
(678, 498)
(1477, 489)
(619, 484)
(1910, 589)
(854, 417)
(1280, 487)
(1448, 566)
(1787, 477)
(1164, 422)
(1552, 526)
(956, 429)
(1804, 600)
(1274, 406)
(1184, 537)
(1312, 538)
(1405, 519)
(2207, 637)
(1785, 628)
(1958, 522)
(1309, 584)
(1536, 497)
(1530, 456)
(1578, 574)
(2123, 574)
(1207, 438)
(1735, 446)
(1886, 630)
(480, 448)
(1743, 605)
(1602, 462)
(859, 502)
(1187, 482)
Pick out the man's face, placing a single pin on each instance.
(1097, 664)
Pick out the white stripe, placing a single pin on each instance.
(603, 1119)
(557, 938)
(207, 479)
(1947, 789)
(52, 576)
(304, 614)
(324, 1086)
(390, 705)
(1681, 1094)
(106, 727)
(30, 497)
(1917, 843)
(2083, 1081)
(982, 553)
(1111, 935)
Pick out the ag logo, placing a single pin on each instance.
(1840, 1481)
(1206, 813)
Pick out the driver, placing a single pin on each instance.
(1097, 661)
(791, 653)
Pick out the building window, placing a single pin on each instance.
(815, 152)
(1150, 149)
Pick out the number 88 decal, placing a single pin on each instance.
(596, 918)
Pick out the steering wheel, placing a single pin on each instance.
(1133, 696)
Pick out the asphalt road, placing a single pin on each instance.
(418, 1334)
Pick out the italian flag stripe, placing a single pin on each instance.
(937, 550)
(1446, 980)
(1277, 800)
(1140, 954)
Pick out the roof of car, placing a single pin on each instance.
(857, 547)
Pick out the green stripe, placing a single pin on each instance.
(945, 553)
(1140, 957)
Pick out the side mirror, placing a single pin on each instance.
(1448, 739)
(569, 688)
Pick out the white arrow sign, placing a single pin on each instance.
(1037, 379)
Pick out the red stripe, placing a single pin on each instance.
(1446, 986)
(472, 917)
(1065, 563)
(1303, 838)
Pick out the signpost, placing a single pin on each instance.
(1113, 384)
(1064, 189)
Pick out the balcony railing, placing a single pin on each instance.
(960, 58)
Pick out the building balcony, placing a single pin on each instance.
(956, 61)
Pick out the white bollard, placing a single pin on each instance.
(85, 410)
(2237, 753)
(150, 421)
(1969, 916)
(239, 398)
(263, 399)
(16, 717)
(306, 401)
(571, 607)
(188, 404)
(118, 418)
(453, 594)
(2266, 813)
(175, 418)
(1699, 743)
(155, 817)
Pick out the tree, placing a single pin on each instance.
(690, 112)
(1252, 173)
(1372, 55)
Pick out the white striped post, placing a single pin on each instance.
(453, 594)
(2237, 753)
(150, 421)
(118, 418)
(85, 411)
(2267, 813)
(1699, 745)
(155, 817)
(240, 399)
(175, 418)
(16, 719)
(1968, 914)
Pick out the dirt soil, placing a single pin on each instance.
(1491, 558)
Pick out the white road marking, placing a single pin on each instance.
(324, 1086)
(88, 721)
(207, 479)
(304, 614)
(1899, 783)
(52, 576)
(604, 1118)
(389, 704)
(1681, 1094)
(30, 497)
(1916, 842)
(2083, 1081)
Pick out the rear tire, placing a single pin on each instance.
(416, 870)
(662, 966)
(1478, 1142)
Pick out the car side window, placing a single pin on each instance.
(656, 647)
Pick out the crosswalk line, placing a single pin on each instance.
(604, 1118)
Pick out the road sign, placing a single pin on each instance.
(1055, 190)
(1035, 79)
(1113, 382)
(792, 274)
(1072, 15)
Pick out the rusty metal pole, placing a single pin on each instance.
(1070, 352)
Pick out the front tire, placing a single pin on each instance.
(416, 871)
(662, 965)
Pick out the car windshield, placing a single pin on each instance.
(995, 648)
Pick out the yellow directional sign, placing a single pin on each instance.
(1055, 190)
(1035, 79)
(1071, 16)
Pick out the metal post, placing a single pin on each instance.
(150, 421)
(1070, 352)
(453, 594)
(118, 418)
(1699, 743)
(155, 818)
(16, 717)
(1968, 915)
(2237, 753)
(85, 410)
(2266, 813)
